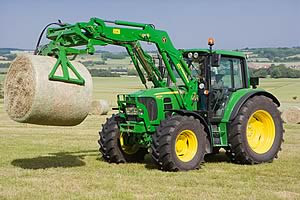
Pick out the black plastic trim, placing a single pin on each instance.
(192, 113)
(151, 105)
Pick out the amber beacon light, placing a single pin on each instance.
(211, 41)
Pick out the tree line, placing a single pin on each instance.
(4, 65)
(275, 71)
(112, 72)
(282, 54)
(109, 55)
(1, 91)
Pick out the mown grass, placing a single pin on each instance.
(287, 90)
(44, 162)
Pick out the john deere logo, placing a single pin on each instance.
(116, 31)
(164, 40)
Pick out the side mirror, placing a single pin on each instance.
(254, 82)
(216, 58)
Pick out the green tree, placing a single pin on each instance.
(1, 91)
(4, 65)
(261, 73)
(276, 73)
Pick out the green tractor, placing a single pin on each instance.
(200, 100)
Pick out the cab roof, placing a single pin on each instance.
(222, 52)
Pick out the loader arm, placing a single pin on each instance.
(127, 34)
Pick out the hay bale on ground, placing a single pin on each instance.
(99, 107)
(30, 97)
(291, 115)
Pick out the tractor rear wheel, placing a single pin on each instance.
(113, 147)
(256, 134)
(179, 143)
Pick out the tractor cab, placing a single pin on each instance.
(219, 73)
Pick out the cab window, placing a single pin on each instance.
(237, 73)
(228, 74)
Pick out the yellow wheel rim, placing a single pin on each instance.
(186, 145)
(128, 149)
(260, 131)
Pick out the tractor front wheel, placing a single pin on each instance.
(256, 134)
(179, 144)
(113, 146)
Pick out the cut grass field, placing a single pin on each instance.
(43, 162)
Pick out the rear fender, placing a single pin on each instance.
(247, 96)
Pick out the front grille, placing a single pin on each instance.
(168, 106)
(151, 106)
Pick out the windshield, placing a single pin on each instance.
(197, 66)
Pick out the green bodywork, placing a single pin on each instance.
(136, 119)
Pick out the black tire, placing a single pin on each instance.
(240, 148)
(110, 146)
(163, 144)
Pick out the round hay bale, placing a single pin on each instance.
(291, 115)
(99, 107)
(30, 97)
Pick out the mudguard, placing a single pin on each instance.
(194, 114)
(251, 94)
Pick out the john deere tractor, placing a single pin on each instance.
(200, 100)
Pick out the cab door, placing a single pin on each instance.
(228, 77)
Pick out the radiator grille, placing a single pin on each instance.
(151, 106)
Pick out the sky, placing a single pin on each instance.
(234, 24)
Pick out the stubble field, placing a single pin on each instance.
(44, 162)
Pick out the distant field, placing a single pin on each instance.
(114, 64)
(108, 88)
(109, 63)
(284, 89)
(44, 162)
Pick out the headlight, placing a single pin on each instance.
(140, 111)
(131, 110)
(190, 55)
(196, 55)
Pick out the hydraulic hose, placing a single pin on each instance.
(59, 23)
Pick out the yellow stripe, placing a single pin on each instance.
(162, 93)
(179, 66)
